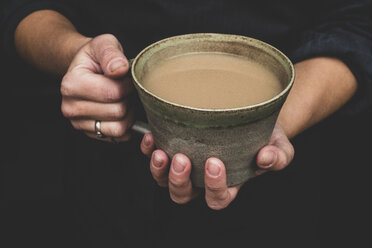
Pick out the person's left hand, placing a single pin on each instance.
(274, 156)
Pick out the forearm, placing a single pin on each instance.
(48, 40)
(322, 85)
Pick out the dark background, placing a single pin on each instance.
(38, 182)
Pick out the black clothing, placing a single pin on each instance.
(95, 194)
(301, 29)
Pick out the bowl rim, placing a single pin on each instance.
(214, 37)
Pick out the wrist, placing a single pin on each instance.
(71, 44)
(48, 40)
(322, 85)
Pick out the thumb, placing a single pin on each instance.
(108, 53)
(278, 154)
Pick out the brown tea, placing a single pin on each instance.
(212, 81)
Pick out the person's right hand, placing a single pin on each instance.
(174, 173)
(94, 88)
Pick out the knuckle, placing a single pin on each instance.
(280, 165)
(104, 39)
(180, 199)
(284, 159)
(67, 110)
(77, 125)
(113, 94)
(66, 86)
(214, 189)
(108, 48)
(120, 110)
(217, 199)
(112, 39)
(108, 53)
(178, 183)
(216, 205)
(108, 37)
(119, 129)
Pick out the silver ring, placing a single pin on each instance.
(97, 129)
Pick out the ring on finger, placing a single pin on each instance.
(97, 129)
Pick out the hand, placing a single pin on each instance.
(94, 88)
(275, 156)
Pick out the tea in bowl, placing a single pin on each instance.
(213, 95)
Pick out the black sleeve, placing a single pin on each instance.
(345, 33)
(13, 11)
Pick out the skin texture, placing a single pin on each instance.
(94, 87)
(322, 85)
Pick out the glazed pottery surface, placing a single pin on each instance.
(232, 135)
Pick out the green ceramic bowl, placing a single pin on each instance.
(232, 135)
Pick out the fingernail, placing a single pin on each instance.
(157, 160)
(213, 168)
(117, 64)
(179, 165)
(267, 159)
(146, 140)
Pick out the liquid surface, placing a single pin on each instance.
(211, 81)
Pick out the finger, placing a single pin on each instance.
(180, 186)
(266, 157)
(275, 157)
(147, 144)
(217, 194)
(108, 52)
(159, 165)
(81, 109)
(95, 87)
(278, 154)
(114, 129)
